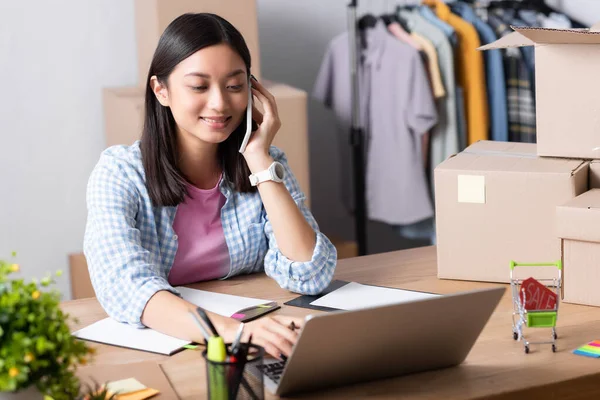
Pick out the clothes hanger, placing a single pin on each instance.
(367, 21)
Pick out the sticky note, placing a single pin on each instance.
(190, 346)
(592, 349)
(586, 354)
(471, 189)
(125, 386)
(238, 316)
(140, 395)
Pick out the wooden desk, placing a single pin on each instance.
(496, 368)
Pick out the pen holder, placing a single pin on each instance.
(236, 380)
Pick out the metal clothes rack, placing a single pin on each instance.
(357, 138)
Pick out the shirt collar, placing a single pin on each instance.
(376, 38)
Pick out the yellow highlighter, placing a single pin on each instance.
(216, 353)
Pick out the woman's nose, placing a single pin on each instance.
(217, 100)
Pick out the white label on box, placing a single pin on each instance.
(471, 189)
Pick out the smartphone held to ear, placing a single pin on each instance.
(251, 126)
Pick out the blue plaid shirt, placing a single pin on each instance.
(130, 245)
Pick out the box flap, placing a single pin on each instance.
(489, 156)
(579, 218)
(559, 36)
(529, 36)
(513, 39)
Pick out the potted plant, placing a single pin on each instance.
(38, 354)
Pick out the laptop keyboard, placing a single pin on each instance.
(273, 370)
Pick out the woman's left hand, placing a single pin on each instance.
(268, 124)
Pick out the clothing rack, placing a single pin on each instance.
(357, 138)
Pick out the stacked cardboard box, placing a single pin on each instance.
(498, 202)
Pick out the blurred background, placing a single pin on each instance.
(70, 78)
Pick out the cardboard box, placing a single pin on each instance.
(81, 285)
(595, 175)
(345, 248)
(577, 223)
(123, 114)
(567, 88)
(124, 111)
(153, 16)
(496, 202)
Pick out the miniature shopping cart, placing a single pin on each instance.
(534, 318)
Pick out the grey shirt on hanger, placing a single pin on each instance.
(397, 105)
(444, 139)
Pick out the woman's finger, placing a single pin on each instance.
(283, 330)
(257, 115)
(267, 103)
(287, 321)
(259, 86)
(282, 345)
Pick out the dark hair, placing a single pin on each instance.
(183, 37)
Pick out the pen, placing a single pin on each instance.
(204, 317)
(200, 326)
(238, 338)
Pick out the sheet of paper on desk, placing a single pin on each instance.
(355, 296)
(112, 332)
(219, 303)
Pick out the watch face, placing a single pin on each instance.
(279, 171)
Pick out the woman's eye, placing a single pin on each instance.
(236, 87)
(199, 88)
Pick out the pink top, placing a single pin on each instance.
(202, 252)
(397, 30)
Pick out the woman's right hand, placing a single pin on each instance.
(273, 333)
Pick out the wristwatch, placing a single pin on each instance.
(274, 173)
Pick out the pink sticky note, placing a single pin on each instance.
(238, 316)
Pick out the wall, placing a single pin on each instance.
(55, 58)
(584, 11)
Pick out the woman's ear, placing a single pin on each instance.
(160, 91)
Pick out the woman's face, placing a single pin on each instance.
(208, 93)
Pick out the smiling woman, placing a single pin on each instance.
(184, 205)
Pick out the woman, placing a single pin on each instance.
(179, 207)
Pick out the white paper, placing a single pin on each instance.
(355, 296)
(222, 304)
(112, 332)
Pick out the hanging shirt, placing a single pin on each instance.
(555, 21)
(397, 30)
(519, 93)
(433, 65)
(397, 107)
(471, 75)
(432, 18)
(444, 140)
(202, 253)
(496, 83)
(450, 33)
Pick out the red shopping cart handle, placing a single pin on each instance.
(537, 295)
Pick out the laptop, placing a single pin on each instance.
(346, 347)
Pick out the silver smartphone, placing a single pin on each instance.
(248, 118)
